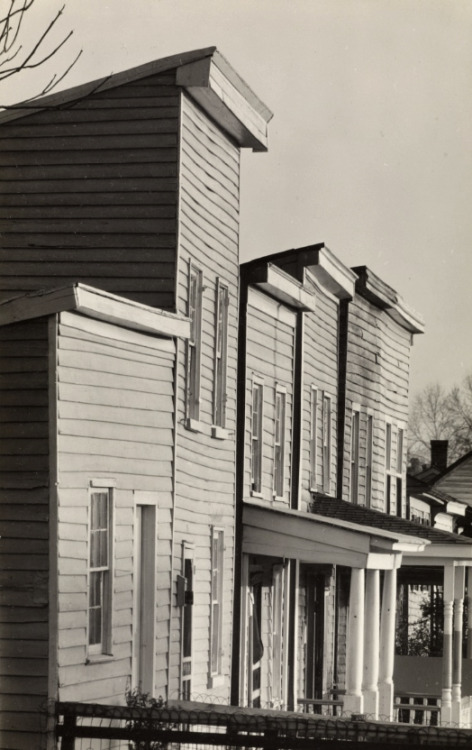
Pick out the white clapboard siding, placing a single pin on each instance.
(270, 356)
(209, 228)
(115, 418)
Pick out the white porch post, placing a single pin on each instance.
(387, 645)
(459, 585)
(353, 702)
(446, 693)
(371, 644)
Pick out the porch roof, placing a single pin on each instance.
(283, 532)
(342, 510)
(444, 546)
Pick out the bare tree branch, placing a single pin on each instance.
(14, 61)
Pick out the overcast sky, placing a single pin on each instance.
(370, 144)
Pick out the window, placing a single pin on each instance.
(216, 612)
(100, 584)
(369, 453)
(221, 344)
(355, 457)
(326, 443)
(388, 467)
(194, 342)
(185, 600)
(256, 436)
(313, 438)
(399, 471)
(279, 442)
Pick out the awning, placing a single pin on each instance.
(285, 533)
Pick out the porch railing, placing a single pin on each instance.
(416, 709)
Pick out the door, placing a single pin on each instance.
(144, 597)
(255, 648)
(315, 615)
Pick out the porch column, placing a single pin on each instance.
(459, 585)
(353, 701)
(387, 645)
(371, 644)
(469, 610)
(446, 693)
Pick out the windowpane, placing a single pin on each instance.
(355, 457)
(194, 311)
(313, 440)
(256, 450)
(221, 355)
(217, 554)
(279, 447)
(326, 443)
(99, 545)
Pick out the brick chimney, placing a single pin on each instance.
(439, 454)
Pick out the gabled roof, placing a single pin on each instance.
(94, 303)
(204, 74)
(341, 509)
(380, 294)
(463, 459)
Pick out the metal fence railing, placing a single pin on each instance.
(197, 726)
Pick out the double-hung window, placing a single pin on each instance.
(221, 346)
(194, 312)
(369, 456)
(100, 573)
(216, 612)
(256, 436)
(355, 439)
(326, 442)
(388, 467)
(399, 467)
(313, 439)
(279, 441)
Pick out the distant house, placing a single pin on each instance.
(129, 185)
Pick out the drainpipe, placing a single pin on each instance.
(238, 528)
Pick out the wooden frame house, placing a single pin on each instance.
(130, 184)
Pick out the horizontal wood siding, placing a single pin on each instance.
(377, 380)
(115, 422)
(205, 489)
(458, 482)
(320, 371)
(89, 193)
(24, 512)
(270, 357)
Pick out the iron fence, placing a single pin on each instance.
(192, 726)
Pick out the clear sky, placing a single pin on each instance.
(370, 144)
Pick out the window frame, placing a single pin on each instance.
(257, 440)
(314, 439)
(326, 431)
(369, 459)
(103, 647)
(194, 343)
(355, 455)
(220, 354)
(280, 428)
(217, 537)
(388, 466)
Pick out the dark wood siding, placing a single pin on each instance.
(24, 489)
(205, 490)
(115, 420)
(89, 193)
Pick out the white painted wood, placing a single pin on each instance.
(387, 645)
(354, 699)
(371, 643)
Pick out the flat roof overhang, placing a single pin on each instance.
(293, 534)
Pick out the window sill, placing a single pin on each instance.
(253, 493)
(98, 658)
(220, 433)
(194, 425)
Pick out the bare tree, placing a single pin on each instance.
(15, 57)
(437, 414)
